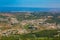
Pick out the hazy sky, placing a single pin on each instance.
(30, 3)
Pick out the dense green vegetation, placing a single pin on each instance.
(41, 35)
(53, 20)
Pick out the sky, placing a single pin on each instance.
(30, 3)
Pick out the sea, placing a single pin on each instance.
(19, 9)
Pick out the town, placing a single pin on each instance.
(19, 23)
